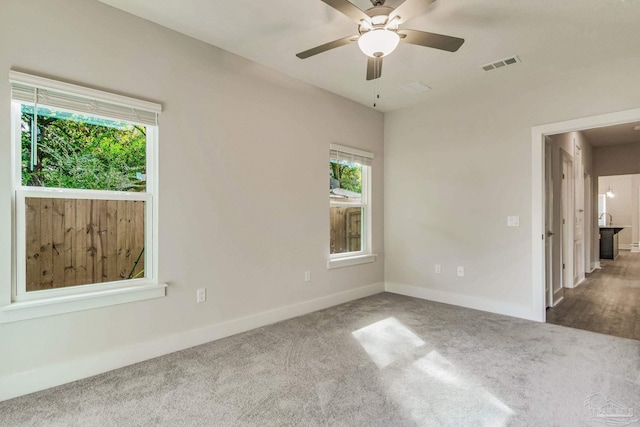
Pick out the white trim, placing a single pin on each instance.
(537, 190)
(82, 91)
(468, 301)
(77, 193)
(21, 383)
(558, 296)
(595, 266)
(334, 204)
(80, 301)
(153, 186)
(350, 260)
(625, 247)
(351, 150)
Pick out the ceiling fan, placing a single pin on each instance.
(379, 33)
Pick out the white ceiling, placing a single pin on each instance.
(549, 36)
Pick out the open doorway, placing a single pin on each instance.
(580, 289)
(608, 298)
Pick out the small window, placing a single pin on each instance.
(349, 195)
(85, 192)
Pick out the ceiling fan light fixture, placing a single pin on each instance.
(378, 42)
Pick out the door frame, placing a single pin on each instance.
(588, 224)
(579, 234)
(538, 133)
(549, 220)
(567, 208)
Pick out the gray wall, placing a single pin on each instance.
(623, 159)
(459, 164)
(234, 138)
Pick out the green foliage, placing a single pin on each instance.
(83, 153)
(349, 175)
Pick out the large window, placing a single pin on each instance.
(85, 197)
(349, 208)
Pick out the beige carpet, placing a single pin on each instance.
(385, 360)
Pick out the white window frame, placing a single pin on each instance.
(23, 305)
(365, 255)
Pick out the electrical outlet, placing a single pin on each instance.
(460, 271)
(513, 221)
(201, 295)
(438, 268)
(307, 276)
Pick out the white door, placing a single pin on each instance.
(566, 239)
(548, 222)
(578, 222)
(588, 218)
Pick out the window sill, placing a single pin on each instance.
(352, 260)
(69, 303)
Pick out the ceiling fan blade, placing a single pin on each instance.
(409, 9)
(348, 9)
(327, 46)
(374, 68)
(436, 41)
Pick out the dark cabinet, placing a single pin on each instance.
(609, 242)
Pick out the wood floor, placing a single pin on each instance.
(607, 302)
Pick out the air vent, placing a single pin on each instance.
(415, 88)
(502, 63)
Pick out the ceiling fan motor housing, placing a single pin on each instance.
(379, 18)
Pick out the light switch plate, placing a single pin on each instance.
(513, 221)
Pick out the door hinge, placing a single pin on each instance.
(562, 176)
(563, 265)
(563, 220)
(543, 237)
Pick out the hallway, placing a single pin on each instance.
(607, 302)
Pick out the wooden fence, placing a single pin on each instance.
(73, 242)
(346, 229)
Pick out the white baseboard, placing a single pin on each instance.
(44, 377)
(468, 301)
(625, 247)
(595, 266)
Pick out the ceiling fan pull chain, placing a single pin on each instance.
(375, 90)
